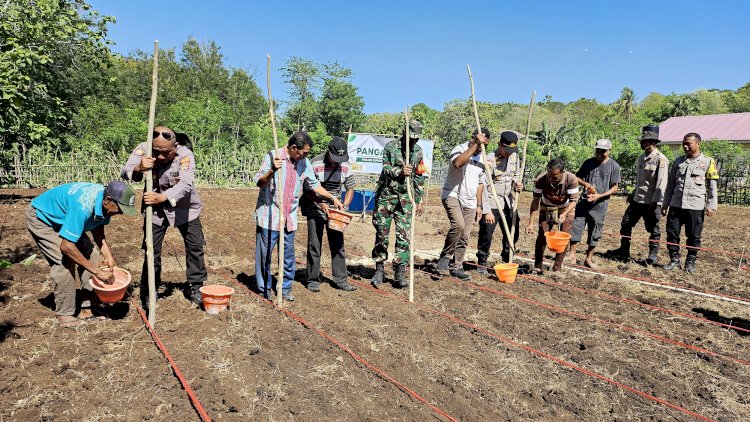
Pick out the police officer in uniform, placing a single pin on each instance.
(392, 202)
(506, 175)
(646, 199)
(175, 202)
(690, 194)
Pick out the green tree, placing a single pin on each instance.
(625, 105)
(304, 79)
(44, 46)
(683, 105)
(340, 105)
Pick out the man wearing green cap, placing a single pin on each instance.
(392, 202)
(58, 220)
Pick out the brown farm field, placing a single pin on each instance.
(574, 345)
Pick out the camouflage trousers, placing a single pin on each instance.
(387, 209)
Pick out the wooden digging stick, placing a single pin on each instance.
(279, 189)
(517, 195)
(150, 188)
(413, 209)
(487, 171)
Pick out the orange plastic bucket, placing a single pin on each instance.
(111, 293)
(338, 220)
(215, 298)
(557, 241)
(506, 272)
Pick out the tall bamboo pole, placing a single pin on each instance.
(279, 189)
(484, 161)
(413, 208)
(150, 188)
(516, 195)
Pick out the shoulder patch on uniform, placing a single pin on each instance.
(140, 151)
(184, 163)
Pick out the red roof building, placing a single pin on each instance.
(733, 127)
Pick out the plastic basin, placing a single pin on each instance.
(506, 272)
(557, 241)
(215, 298)
(111, 293)
(338, 220)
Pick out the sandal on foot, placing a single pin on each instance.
(69, 321)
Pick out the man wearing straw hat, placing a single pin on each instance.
(506, 175)
(554, 200)
(175, 203)
(392, 202)
(646, 199)
(297, 170)
(600, 177)
(462, 200)
(58, 221)
(332, 170)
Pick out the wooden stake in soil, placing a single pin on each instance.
(486, 168)
(279, 188)
(516, 195)
(150, 188)
(407, 141)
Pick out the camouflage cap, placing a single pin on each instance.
(415, 129)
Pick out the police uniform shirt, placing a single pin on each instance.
(505, 174)
(651, 178)
(174, 179)
(692, 183)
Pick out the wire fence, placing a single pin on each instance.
(238, 169)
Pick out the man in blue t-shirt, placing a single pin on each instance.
(58, 220)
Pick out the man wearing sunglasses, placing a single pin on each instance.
(175, 203)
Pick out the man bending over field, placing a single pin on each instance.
(58, 220)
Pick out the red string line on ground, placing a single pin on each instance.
(619, 299)
(341, 346)
(699, 248)
(539, 353)
(591, 318)
(191, 394)
(631, 301)
(646, 279)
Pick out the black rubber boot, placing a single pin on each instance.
(399, 278)
(690, 264)
(653, 251)
(482, 267)
(195, 294)
(674, 261)
(620, 254)
(379, 274)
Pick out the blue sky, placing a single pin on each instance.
(406, 52)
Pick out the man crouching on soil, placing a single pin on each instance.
(58, 220)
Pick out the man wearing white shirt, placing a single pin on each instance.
(462, 200)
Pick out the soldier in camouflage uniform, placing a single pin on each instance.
(392, 202)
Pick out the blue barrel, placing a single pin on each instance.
(360, 201)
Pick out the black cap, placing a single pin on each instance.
(509, 141)
(650, 133)
(338, 150)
